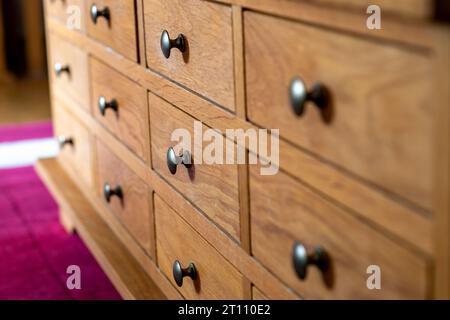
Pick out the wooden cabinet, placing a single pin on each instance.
(358, 205)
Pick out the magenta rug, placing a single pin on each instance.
(35, 251)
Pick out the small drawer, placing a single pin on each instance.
(363, 105)
(114, 24)
(335, 255)
(75, 143)
(193, 266)
(202, 57)
(126, 195)
(212, 188)
(121, 106)
(69, 12)
(69, 70)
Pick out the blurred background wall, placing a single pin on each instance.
(23, 71)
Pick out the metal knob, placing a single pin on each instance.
(299, 95)
(109, 192)
(103, 105)
(60, 69)
(173, 160)
(64, 141)
(96, 13)
(302, 259)
(179, 272)
(168, 44)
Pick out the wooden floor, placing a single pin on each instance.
(24, 101)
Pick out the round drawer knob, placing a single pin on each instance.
(64, 141)
(60, 69)
(173, 160)
(103, 105)
(299, 95)
(302, 259)
(109, 192)
(179, 272)
(96, 13)
(168, 44)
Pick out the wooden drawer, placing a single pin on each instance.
(206, 66)
(75, 143)
(67, 12)
(284, 212)
(133, 206)
(73, 78)
(177, 241)
(129, 122)
(212, 188)
(379, 122)
(119, 30)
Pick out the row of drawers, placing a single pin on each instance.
(286, 218)
(349, 100)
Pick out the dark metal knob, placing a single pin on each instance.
(109, 192)
(179, 273)
(299, 95)
(168, 44)
(96, 13)
(302, 259)
(64, 141)
(60, 69)
(173, 160)
(103, 105)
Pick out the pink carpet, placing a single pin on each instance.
(35, 251)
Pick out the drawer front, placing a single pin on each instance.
(378, 122)
(69, 12)
(115, 25)
(212, 188)
(285, 213)
(69, 71)
(207, 31)
(129, 199)
(75, 143)
(121, 106)
(215, 277)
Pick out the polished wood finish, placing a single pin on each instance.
(119, 32)
(130, 123)
(176, 240)
(212, 188)
(75, 84)
(285, 212)
(257, 294)
(398, 224)
(135, 209)
(380, 100)
(121, 267)
(77, 157)
(442, 168)
(209, 36)
(68, 12)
